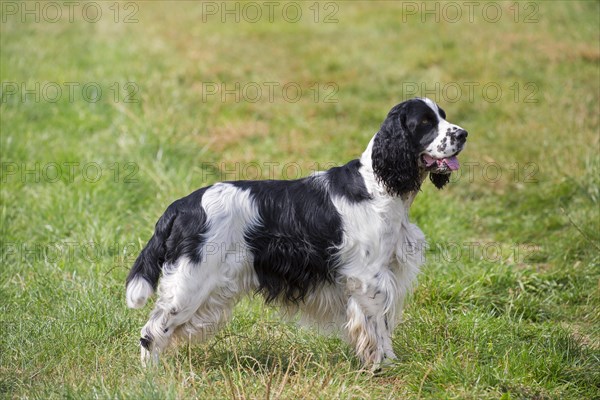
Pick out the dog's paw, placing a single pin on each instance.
(388, 363)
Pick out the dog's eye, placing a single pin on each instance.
(425, 122)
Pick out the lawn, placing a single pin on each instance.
(110, 111)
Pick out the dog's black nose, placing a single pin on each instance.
(461, 134)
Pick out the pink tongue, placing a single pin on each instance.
(452, 163)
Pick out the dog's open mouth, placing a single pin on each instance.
(448, 164)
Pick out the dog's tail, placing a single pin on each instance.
(143, 277)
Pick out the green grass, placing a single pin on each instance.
(515, 318)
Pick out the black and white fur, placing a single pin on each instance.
(336, 246)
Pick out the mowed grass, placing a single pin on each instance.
(507, 305)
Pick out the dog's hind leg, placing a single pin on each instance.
(183, 288)
(196, 299)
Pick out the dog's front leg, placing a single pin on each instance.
(369, 311)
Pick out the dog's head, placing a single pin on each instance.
(414, 139)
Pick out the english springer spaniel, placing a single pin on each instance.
(336, 246)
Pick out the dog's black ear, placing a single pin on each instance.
(442, 112)
(439, 180)
(394, 156)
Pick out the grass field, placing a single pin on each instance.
(107, 118)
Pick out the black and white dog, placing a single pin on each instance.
(336, 246)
